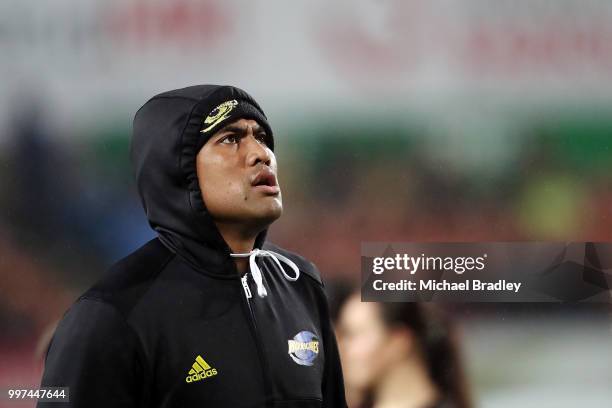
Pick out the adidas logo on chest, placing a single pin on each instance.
(200, 370)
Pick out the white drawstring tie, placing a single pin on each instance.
(256, 272)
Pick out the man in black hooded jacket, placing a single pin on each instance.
(208, 313)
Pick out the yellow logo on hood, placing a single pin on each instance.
(219, 114)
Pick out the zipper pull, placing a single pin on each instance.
(245, 286)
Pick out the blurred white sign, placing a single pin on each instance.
(307, 50)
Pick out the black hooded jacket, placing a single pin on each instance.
(174, 324)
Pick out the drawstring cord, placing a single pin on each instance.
(256, 272)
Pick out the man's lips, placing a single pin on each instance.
(265, 181)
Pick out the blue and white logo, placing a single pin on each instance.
(304, 348)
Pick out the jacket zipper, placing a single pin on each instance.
(258, 341)
(245, 286)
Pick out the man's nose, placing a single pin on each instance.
(257, 152)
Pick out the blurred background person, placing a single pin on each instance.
(399, 355)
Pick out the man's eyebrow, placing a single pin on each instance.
(238, 129)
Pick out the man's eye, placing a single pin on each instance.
(231, 139)
(261, 138)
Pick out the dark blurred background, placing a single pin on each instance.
(439, 120)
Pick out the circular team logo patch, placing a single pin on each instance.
(304, 348)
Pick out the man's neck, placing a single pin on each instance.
(240, 241)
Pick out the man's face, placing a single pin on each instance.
(237, 176)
